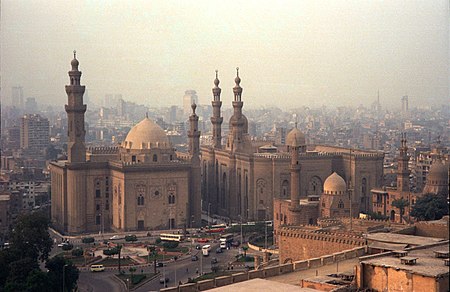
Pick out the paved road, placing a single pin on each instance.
(91, 282)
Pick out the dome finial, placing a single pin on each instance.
(74, 54)
(74, 62)
(216, 81)
(237, 79)
(193, 106)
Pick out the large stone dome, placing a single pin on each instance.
(334, 185)
(437, 179)
(295, 138)
(145, 135)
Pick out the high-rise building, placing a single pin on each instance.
(17, 97)
(405, 106)
(34, 133)
(190, 97)
(30, 105)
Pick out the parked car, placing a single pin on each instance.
(219, 250)
(198, 246)
(159, 264)
(114, 237)
(163, 280)
(194, 258)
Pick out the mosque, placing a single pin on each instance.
(142, 184)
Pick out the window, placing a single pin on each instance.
(171, 199)
(107, 205)
(98, 219)
(340, 204)
(155, 158)
(97, 207)
(97, 193)
(133, 158)
(140, 200)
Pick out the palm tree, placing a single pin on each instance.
(400, 204)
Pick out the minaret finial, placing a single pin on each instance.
(217, 74)
(74, 54)
(237, 71)
(237, 89)
(193, 106)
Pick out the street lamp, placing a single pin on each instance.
(265, 228)
(240, 217)
(209, 212)
(64, 278)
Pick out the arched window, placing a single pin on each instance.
(285, 189)
(140, 200)
(155, 158)
(171, 199)
(341, 204)
(315, 186)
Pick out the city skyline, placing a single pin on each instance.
(304, 53)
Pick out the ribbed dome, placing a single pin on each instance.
(438, 172)
(146, 134)
(295, 138)
(334, 185)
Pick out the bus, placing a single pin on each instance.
(226, 240)
(216, 228)
(97, 268)
(205, 250)
(171, 237)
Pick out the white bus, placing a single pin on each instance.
(205, 250)
(171, 237)
(225, 240)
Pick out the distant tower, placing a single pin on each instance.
(405, 105)
(194, 151)
(216, 119)
(75, 115)
(402, 167)
(17, 97)
(189, 98)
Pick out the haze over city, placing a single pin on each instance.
(290, 53)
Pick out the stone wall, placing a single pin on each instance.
(299, 244)
(437, 228)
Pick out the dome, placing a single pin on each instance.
(334, 185)
(295, 138)
(438, 172)
(146, 134)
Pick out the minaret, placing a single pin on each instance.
(195, 184)
(294, 148)
(75, 110)
(235, 137)
(216, 119)
(402, 167)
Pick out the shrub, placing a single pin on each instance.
(170, 244)
(158, 240)
(131, 238)
(68, 246)
(78, 252)
(87, 240)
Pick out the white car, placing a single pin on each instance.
(115, 237)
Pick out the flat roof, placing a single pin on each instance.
(261, 285)
(402, 238)
(427, 264)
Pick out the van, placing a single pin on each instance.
(97, 268)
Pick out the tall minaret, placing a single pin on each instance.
(402, 167)
(235, 137)
(294, 147)
(75, 110)
(195, 184)
(216, 119)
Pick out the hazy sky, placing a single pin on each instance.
(290, 53)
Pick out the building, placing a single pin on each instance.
(240, 180)
(190, 97)
(423, 268)
(143, 184)
(34, 133)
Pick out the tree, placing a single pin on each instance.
(56, 267)
(131, 238)
(37, 281)
(30, 237)
(430, 207)
(18, 273)
(245, 248)
(400, 204)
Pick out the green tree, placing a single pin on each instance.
(56, 267)
(18, 273)
(30, 237)
(430, 207)
(37, 281)
(400, 204)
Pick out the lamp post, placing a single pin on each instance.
(209, 212)
(240, 217)
(265, 228)
(64, 278)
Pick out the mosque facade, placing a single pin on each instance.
(142, 184)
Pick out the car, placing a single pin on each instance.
(236, 243)
(214, 261)
(163, 280)
(62, 244)
(115, 237)
(203, 240)
(159, 264)
(198, 246)
(194, 258)
(219, 250)
(97, 268)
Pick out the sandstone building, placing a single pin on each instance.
(141, 184)
(241, 181)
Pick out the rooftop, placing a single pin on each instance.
(402, 238)
(261, 285)
(426, 262)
